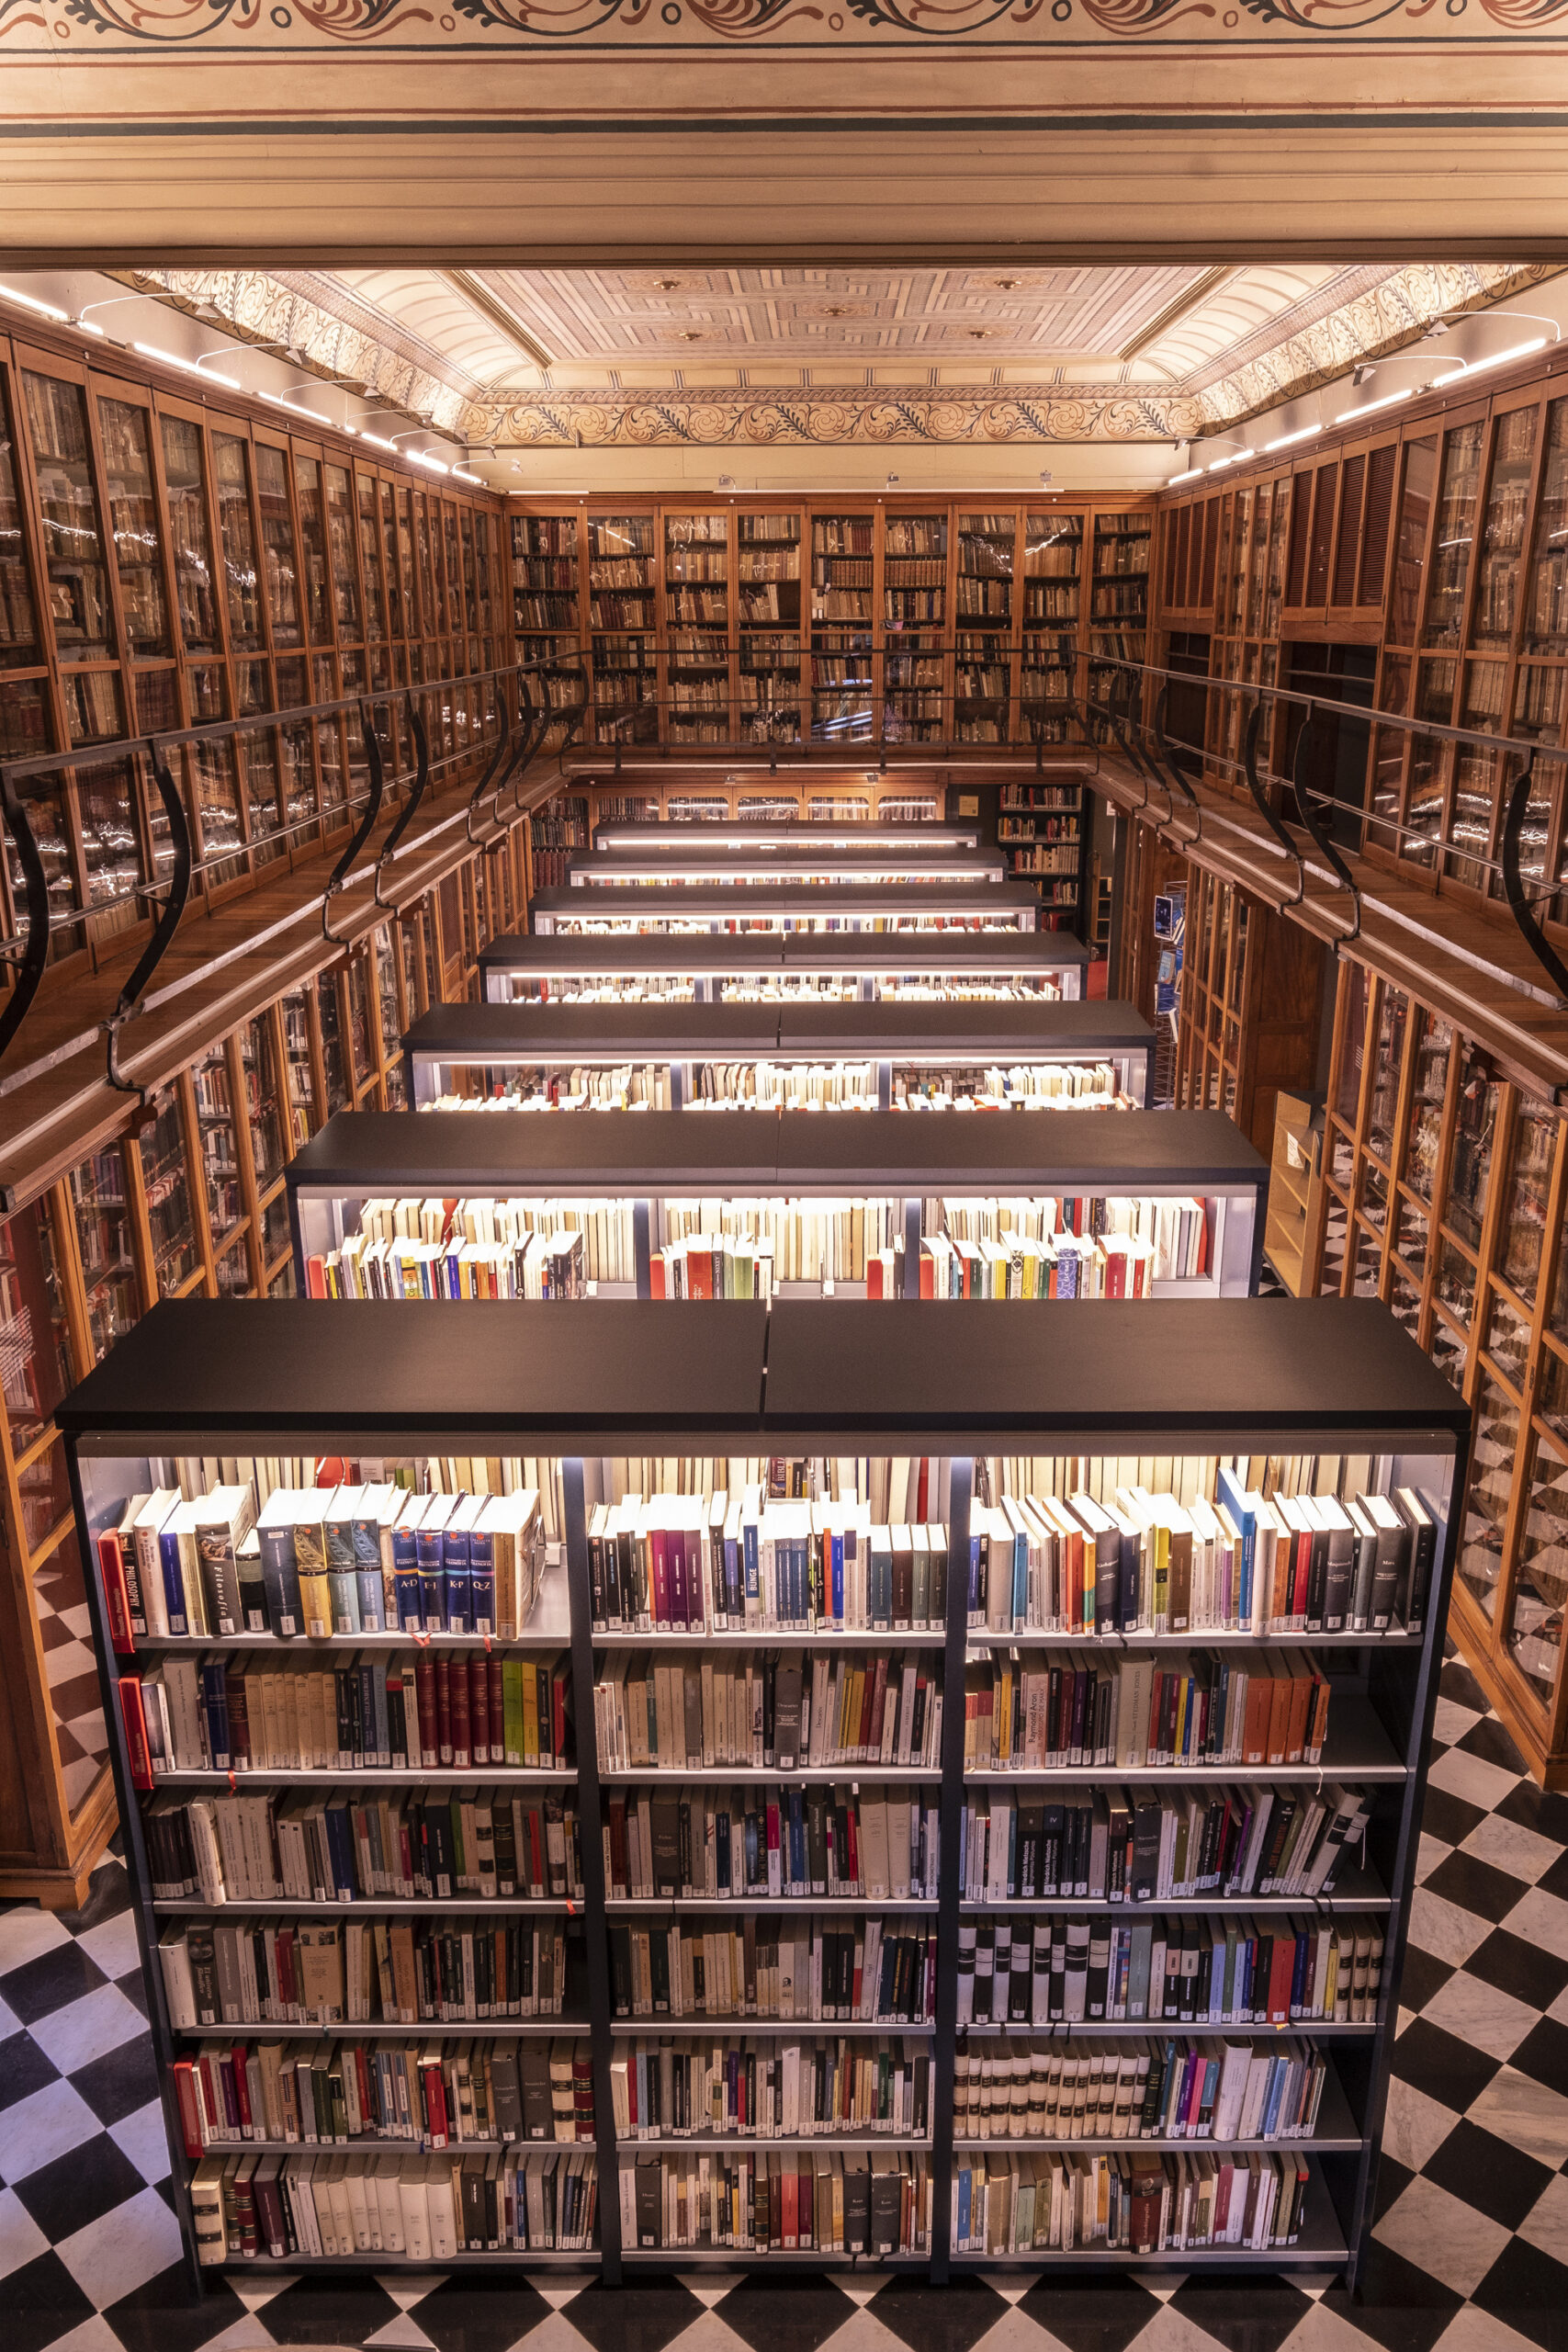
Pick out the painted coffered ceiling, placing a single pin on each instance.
(741, 357)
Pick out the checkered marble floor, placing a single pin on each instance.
(1470, 2251)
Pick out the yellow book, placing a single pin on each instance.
(530, 1712)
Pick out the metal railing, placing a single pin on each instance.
(509, 716)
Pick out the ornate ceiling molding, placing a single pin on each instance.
(1389, 317)
(829, 417)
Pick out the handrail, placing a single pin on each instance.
(422, 777)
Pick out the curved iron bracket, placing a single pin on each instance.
(1519, 907)
(364, 827)
(1172, 766)
(492, 769)
(537, 726)
(131, 996)
(406, 814)
(1260, 801)
(1328, 850)
(35, 951)
(1137, 758)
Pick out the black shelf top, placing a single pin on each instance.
(558, 1032)
(1319, 1367)
(677, 842)
(638, 1153)
(704, 957)
(575, 1377)
(1047, 1151)
(627, 1153)
(607, 868)
(1043, 1027)
(835, 899)
(1040, 1026)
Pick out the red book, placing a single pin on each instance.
(315, 1278)
(237, 2056)
(283, 1956)
(117, 1594)
(478, 1708)
(927, 1276)
(496, 1689)
(873, 1278)
(429, 1717)
(434, 2092)
(135, 1721)
(189, 2106)
(921, 1513)
(656, 1275)
(444, 1724)
(1280, 1974)
(852, 1839)
(460, 1753)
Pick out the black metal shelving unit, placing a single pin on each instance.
(864, 965)
(998, 907)
(1320, 1379)
(703, 865)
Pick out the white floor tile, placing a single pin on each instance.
(1473, 2330)
(26, 1933)
(1510, 1847)
(404, 2330)
(1443, 1929)
(1014, 2331)
(1452, 1719)
(1323, 2331)
(142, 2137)
(1448, 2240)
(1473, 1778)
(1477, 2012)
(123, 2248)
(20, 2236)
(1171, 2331)
(46, 2124)
(112, 1944)
(1520, 2109)
(709, 2333)
(1540, 1918)
(94, 2334)
(1414, 2126)
(84, 2030)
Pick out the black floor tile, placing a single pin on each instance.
(41, 1985)
(1449, 1817)
(79, 2188)
(1488, 2174)
(1400, 2307)
(1244, 2315)
(134, 1989)
(168, 2315)
(950, 2319)
(789, 2310)
(1425, 1975)
(327, 2310)
(1476, 1886)
(1455, 1682)
(1528, 2291)
(23, 2068)
(1542, 1810)
(469, 2314)
(1528, 1970)
(1102, 2317)
(121, 2081)
(642, 2316)
(1554, 1878)
(1488, 1740)
(41, 2302)
(1543, 2054)
(1393, 2179)
(1442, 2066)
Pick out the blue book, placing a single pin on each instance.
(1020, 1577)
(964, 2179)
(173, 1579)
(455, 1567)
(750, 1538)
(367, 1528)
(482, 1575)
(976, 1606)
(215, 1707)
(721, 1852)
(1272, 2104)
(406, 1588)
(842, 1542)
(432, 1576)
(343, 1581)
(340, 1847)
(1230, 1492)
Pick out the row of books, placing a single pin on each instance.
(1158, 1845)
(772, 2088)
(803, 1241)
(1143, 2205)
(1188, 1972)
(253, 1848)
(777, 1712)
(798, 1971)
(618, 1086)
(875, 2202)
(394, 1972)
(436, 2093)
(1132, 1560)
(797, 1842)
(315, 1560)
(1181, 2087)
(434, 1709)
(423, 2209)
(1055, 1086)
(728, 1563)
(471, 1248)
(1032, 1712)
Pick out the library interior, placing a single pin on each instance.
(684, 846)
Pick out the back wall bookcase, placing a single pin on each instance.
(967, 1426)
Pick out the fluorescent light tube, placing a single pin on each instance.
(1497, 359)
(186, 366)
(1305, 433)
(1387, 399)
